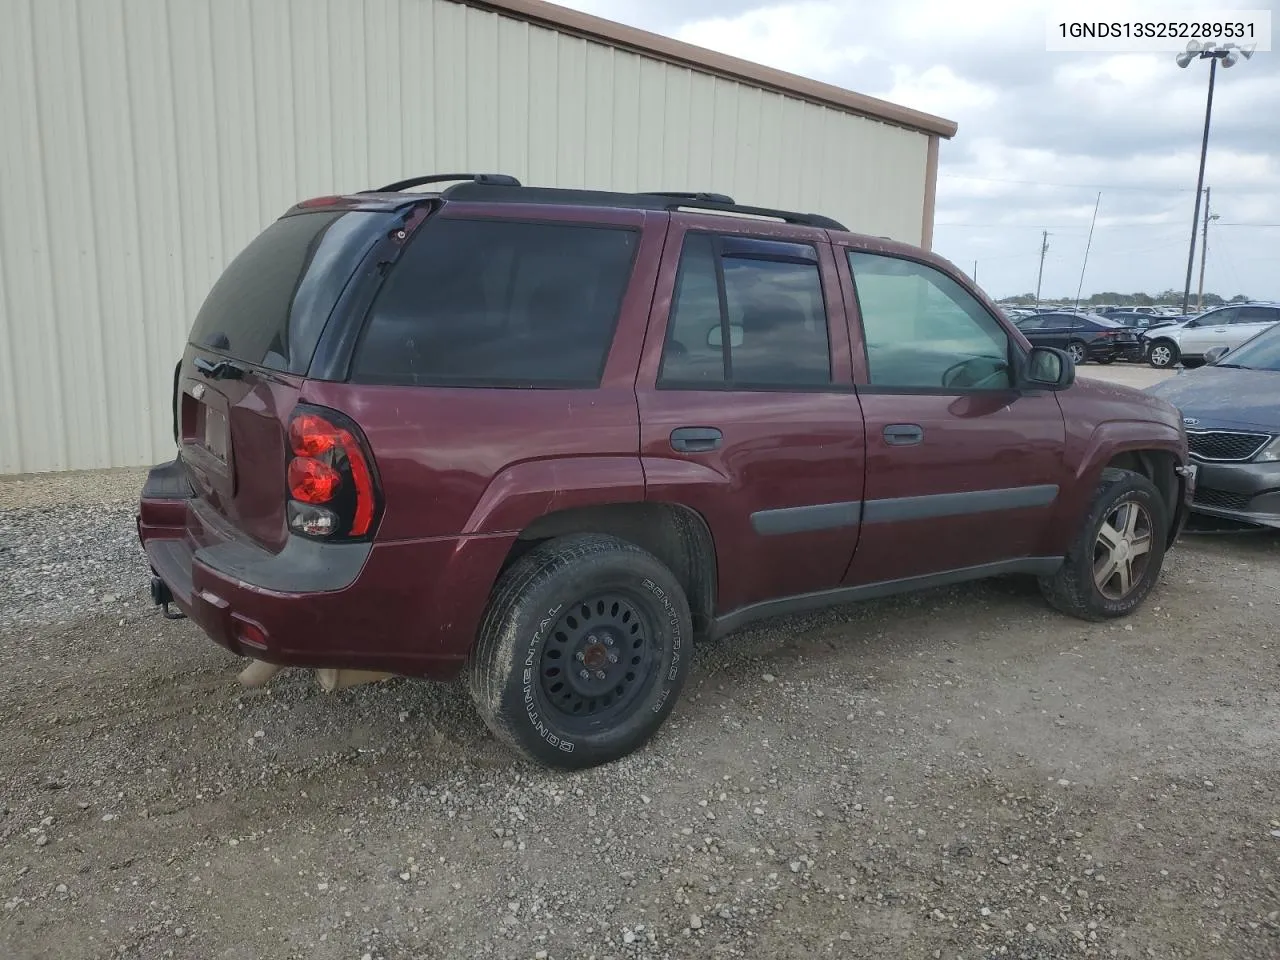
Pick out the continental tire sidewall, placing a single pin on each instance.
(1130, 488)
(522, 710)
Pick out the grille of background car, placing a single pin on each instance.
(1222, 499)
(1223, 445)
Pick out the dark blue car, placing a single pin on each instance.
(1231, 410)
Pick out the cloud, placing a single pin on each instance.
(1040, 133)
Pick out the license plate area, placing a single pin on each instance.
(216, 435)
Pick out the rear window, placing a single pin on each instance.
(270, 305)
(499, 303)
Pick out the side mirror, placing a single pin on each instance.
(1192, 323)
(1214, 354)
(1050, 369)
(716, 339)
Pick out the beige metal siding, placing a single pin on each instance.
(147, 141)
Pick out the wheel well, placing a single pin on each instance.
(1158, 466)
(676, 535)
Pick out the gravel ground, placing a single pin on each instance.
(958, 774)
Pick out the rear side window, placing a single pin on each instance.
(772, 311)
(499, 303)
(270, 305)
(1257, 315)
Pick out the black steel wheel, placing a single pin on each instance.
(583, 651)
(600, 655)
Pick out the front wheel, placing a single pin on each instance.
(583, 651)
(1077, 352)
(1116, 558)
(1163, 353)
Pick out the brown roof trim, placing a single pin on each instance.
(708, 61)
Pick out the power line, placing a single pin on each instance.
(1076, 186)
(1078, 226)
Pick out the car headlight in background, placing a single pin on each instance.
(1270, 453)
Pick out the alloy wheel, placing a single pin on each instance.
(1076, 352)
(1122, 549)
(1161, 355)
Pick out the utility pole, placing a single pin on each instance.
(1044, 248)
(1204, 251)
(1089, 244)
(975, 271)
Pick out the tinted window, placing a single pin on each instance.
(1256, 315)
(919, 325)
(773, 309)
(271, 303)
(497, 303)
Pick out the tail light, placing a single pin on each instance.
(333, 489)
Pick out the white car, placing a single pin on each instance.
(1227, 326)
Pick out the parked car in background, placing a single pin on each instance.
(1231, 410)
(550, 440)
(1083, 336)
(1138, 321)
(1188, 342)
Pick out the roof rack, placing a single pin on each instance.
(500, 191)
(495, 179)
(708, 197)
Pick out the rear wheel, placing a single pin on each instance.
(1117, 556)
(1163, 353)
(1077, 352)
(583, 651)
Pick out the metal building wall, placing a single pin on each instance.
(147, 141)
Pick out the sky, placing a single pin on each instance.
(1040, 133)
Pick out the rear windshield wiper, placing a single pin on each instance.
(222, 370)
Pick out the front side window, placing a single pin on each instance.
(768, 330)
(498, 303)
(921, 329)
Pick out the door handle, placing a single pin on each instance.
(695, 439)
(903, 434)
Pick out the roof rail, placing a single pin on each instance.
(709, 197)
(494, 179)
(481, 191)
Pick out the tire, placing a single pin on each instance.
(1163, 353)
(1075, 589)
(580, 600)
(1078, 352)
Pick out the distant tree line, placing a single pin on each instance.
(1170, 297)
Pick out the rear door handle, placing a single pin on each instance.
(695, 439)
(903, 434)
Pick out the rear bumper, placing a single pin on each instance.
(409, 607)
(1245, 492)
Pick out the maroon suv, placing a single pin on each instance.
(553, 438)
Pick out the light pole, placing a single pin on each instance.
(1230, 55)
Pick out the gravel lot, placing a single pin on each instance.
(956, 774)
